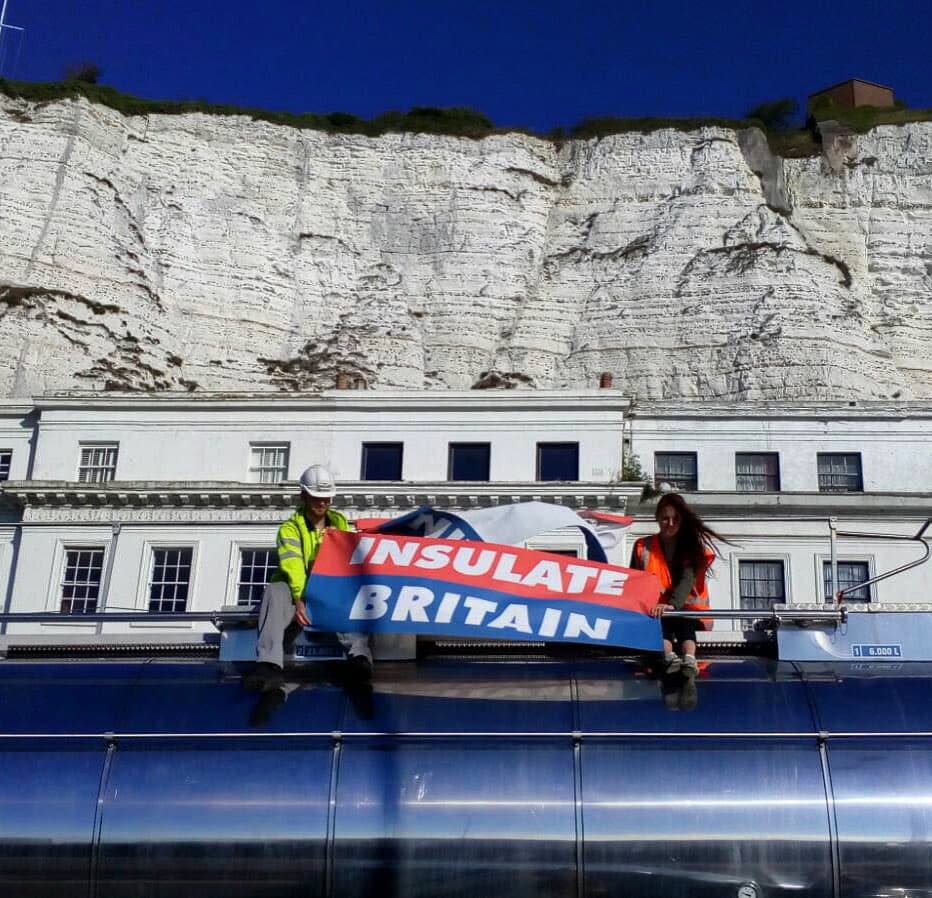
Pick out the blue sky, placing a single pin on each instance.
(534, 64)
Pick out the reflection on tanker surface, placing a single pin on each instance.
(461, 777)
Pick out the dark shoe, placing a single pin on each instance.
(292, 632)
(265, 678)
(670, 688)
(360, 698)
(689, 697)
(267, 703)
(359, 668)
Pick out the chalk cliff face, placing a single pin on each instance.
(200, 252)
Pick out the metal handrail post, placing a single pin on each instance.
(833, 538)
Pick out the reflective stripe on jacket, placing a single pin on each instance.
(648, 556)
(298, 545)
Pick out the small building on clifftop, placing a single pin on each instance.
(852, 93)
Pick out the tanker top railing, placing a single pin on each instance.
(839, 594)
(219, 619)
(224, 619)
(830, 612)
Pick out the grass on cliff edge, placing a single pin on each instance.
(454, 121)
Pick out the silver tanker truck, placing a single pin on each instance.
(478, 770)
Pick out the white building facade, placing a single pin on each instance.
(170, 502)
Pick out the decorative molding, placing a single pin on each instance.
(125, 500)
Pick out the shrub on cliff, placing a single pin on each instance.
(88, 72)
(775, 115)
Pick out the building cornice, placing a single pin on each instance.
(855, 409)
(375, 497)
(343, 400)
(802, 504)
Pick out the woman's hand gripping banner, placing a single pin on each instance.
(369, 582)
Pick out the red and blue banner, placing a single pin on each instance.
(393, 583)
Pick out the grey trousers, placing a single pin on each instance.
(275, 615)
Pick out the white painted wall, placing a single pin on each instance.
(16, 431)
(183, 439)
(896, 451)
(191, 440)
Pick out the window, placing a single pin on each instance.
(840, 472)
(850, 573)
(558, 461)
(80, 585)
(757, 472)
(381, 461)
(6, 459)
(679, 469)
(469, 461)
(171, 576)
(256, 566)
(761, 583)
(268, 462)
(98, 462)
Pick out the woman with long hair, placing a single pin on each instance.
(680, 556)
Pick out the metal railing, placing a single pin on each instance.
(834, 534)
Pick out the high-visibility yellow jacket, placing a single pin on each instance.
(298, 546)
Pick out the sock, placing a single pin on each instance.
(669, 657)
(689, 659)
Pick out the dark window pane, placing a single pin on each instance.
(558, 461)
(381, 461)
(850, 573)
(171, 575)
(81, 581)
(6, 458)
(840, 472)
(678, 469)
(761, 583)
(98, 463)
(469, 461)
(757, 472)
(256, 566)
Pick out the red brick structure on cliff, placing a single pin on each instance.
(852, 93)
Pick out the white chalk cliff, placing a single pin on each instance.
(206, 252)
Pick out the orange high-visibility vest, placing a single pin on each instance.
(648, 556)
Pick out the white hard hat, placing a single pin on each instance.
(318, 481)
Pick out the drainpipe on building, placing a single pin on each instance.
(108, 572)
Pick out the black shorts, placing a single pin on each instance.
(679, 629)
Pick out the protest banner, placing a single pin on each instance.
(392, 583)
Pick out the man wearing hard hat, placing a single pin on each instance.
(283, 609)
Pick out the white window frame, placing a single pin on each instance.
(255, 470)
(90, 446)
(56, 573)
(864, 558)
(153, 621)
(735, 558)
(83, 547)
(236, 558)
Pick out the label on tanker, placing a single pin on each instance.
(872, 650)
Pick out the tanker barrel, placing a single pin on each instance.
(462, 777)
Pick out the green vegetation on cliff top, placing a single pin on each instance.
(455, 121)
